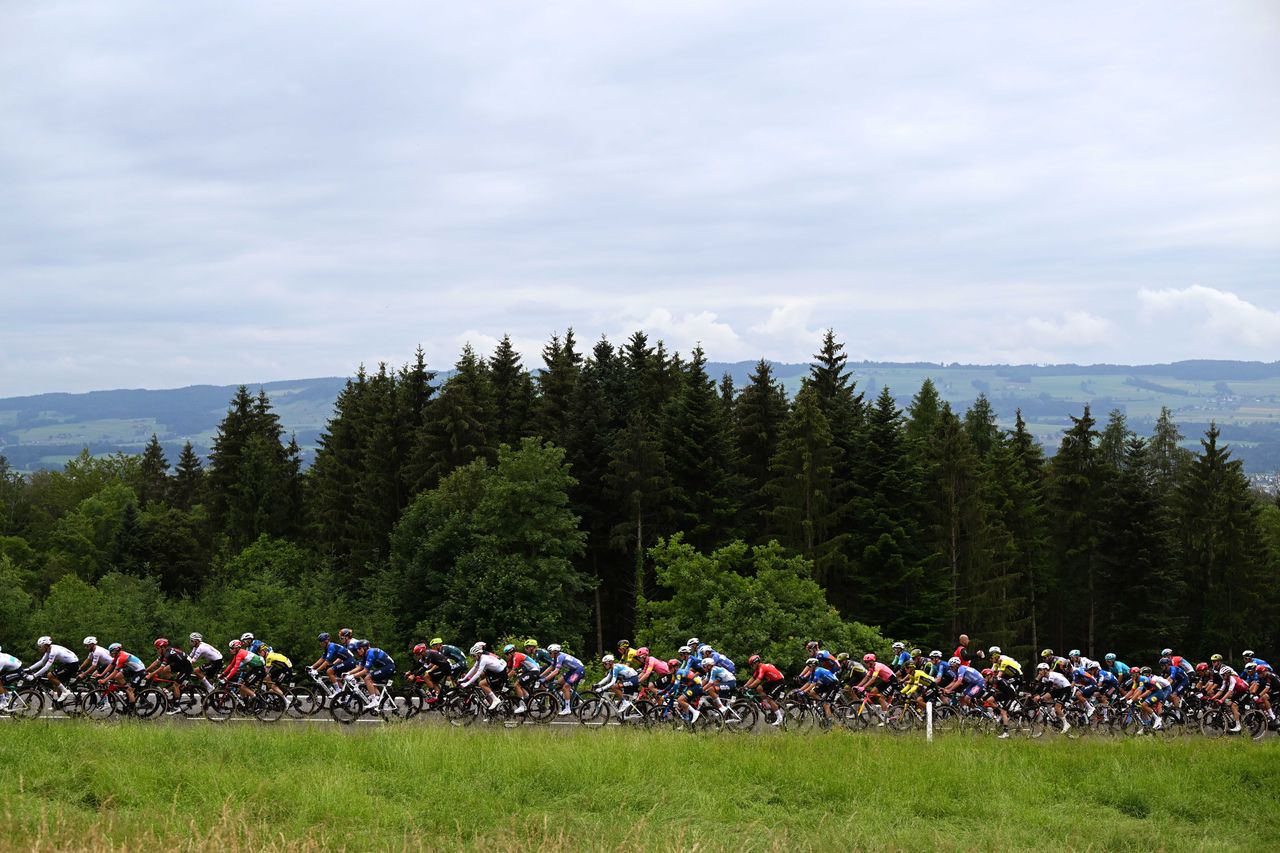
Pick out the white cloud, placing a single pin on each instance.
(1218, 319)
(1075, 328)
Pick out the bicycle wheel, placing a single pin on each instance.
(460, 710)
(26, 704)
(636, 714)
(152, 702)
(1214, 723)
(346, 707)
(191, 702)
(221, 705)
(98, 705)
(1079, 723)
(742, 717)
(797, 717)
(902, 719)
(270, 707)
(594, 713)
(541, 707)
(945, 720)
(710, 720)
(304, 700)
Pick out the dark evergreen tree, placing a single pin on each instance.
(459, 426)
(759, 413)
(556, 384)
(955, 514)
(188, 488)
(1166, 456)
(1076, 479)
(153, 474)
(923, 415)
(1114, 440)
(512, 395)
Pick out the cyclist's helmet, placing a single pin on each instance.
(693, 642)
(1042, 667)
(114, 648)
(362, 644)
(530, 642)
(477, 649)
(994, 650)
(324, 637)
(345, 633)
(986, 673)
(1164, 653)
(624, 644)
(1202, 668)
(1110, 657)
(705, 650)
(607, 659)
(842, 656)
(420, 649)
(684, 650)
(955, 661)
(897, 647)
(642, 652)
(1074, 653)
(935, 654)
(674, 663)
(707, 663)
(812, 644)
(1250, 665)
(869, 657)
(196, 637)
(161, 643)
(352, 646)
(91, 641)
(1146, 670)
(554, 648)
(246, 637)
(1246, 654)
(915, 653)
(44, 641)
(1262, 667)
(436, 641)
(811, 662)
(1046, 653)
(508, 648)
(1094, 667)
(1164, 661)
(753, 660)
(1215, 658)
(234, 644)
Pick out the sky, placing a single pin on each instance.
(228, 192)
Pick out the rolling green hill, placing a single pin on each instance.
(44, 430)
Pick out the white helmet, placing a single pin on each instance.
(705, 650)
(1164, 653)
(994, 650)
(554, 648)
(684, 650)
(607, 659)
(91, 641)
(1042, 666)
(1248, 653)
(196, 637)
(935, 654)
(954, 661)
(477, 649)
(246, 637)
(693, 642)
(44, 641)
(899, 645)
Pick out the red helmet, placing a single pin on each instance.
(1202, 667)
(642, 652)
(674, 663)
(869, 657)
(753, 660)
(161, 643)
(420, 649)
(986, 673)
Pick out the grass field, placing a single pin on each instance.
(297, 787)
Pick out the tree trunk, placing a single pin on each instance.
(599, 623)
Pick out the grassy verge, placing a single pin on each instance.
(85, 786)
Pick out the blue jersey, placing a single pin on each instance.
(721, 676)
(256, 647)
(969, 675)
(828, 661)
(1177, 678)
(942, 671)
(1261, 662)
(377, 658)
(568, 662)
(335, 652)
(1107, 680)
(1079, 676)
(823, 676)
(1120, 669)
(901, 660)
(723, 661)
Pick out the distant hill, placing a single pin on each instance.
(44, 430)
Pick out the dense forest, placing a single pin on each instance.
(624, 492)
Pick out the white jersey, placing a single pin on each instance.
(56, 654)
(204, 652)
(8, 663)
(485, 663)
(99, 657)
(1159, 682)
(1085, 663)
(1057, 680)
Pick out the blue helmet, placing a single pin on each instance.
(324, 637)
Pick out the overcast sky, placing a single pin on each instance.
(244, 191)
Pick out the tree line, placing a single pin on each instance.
(575, 500)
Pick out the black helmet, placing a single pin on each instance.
(324, 637)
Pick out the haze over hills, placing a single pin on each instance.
(44, 430)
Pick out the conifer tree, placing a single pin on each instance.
(459, 426)
(556, 384)
(1076, 481)
(188, 488)
(923, 415)
(1114, 440)
(153, 473)
(759, 413)
(953, 484)
(512, 395)
(1165, 455)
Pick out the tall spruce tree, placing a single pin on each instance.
(459, 426)
(188, 489)
(759, 413)
(923, 414)
(553, 417)
(1077, 476)
(955, 515)
(512, 395)
(153, 473)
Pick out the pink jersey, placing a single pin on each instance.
(658, 666)
(881, 671)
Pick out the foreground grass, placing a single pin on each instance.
(86, 786)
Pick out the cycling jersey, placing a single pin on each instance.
(821, 676)
(720, 660)
(520, 662)
(99, 657)
(236, 661)
(767, 672)
(1259, 662)
(543, 657)
(1055, 680)
(275, 659)
(455, 656)
(56, 655)
(8, 663)
(918, 679)
(1107, 681)
(970, 676)
(901, 659)
(437, 661)
(568, 662)
(942, 672)
(1007, 666)
(203, 652)
(1120, 669)
(656, 666)
(376, 659)
(338, 655)
(826, 660)
(177, 662)
(1083, 678)
(629, 657)
(1179, 662)
(128, 662)
(882, 673)
(1158, 682)
(722, 677)
(619, 673)
(1178, 678)
(485, 664)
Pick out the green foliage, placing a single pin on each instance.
(744, 600)
(15, 609)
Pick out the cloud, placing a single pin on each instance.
(1075, 328)
(1218, 319)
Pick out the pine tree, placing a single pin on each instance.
(459, 426)
(923, 414)
(512, 395)
(252, 479)
(955, 512)
(1076, 478)
(188, 488)
(153, 473)
(337, 472)
(980, 426)
(804, 492)
(1025, 518)
(1166, 456)
(417, 392)
(1114, 440)
(552, 416)
(759, 413)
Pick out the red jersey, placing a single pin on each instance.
(767, 672)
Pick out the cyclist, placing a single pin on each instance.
(1178, 679)
(690, 693)
(900, 658)
(940, 669)
(1230, 688)
(880, 680)
(335, 659)
(718, 682)
(1077, 660)
(376, 667)
(1006, 667)
(172, 663)
(1266, 686)
(1178, 661)
(684, 655)
(1249, 657)
(969, 681)
(525, 669)
(654, 667)
(1108, 684)
(206, 657)
(126, 670)
(10, 674)
(1118, 668)
(57, 663)
(718, 659)
(96, 659)
(619, 679)
(246, 669)
(626, 654)
(457, 660)
(768, 683)
(568, 669)
(489, 673)
(917, 683)
(1086, 685)
(540, 656)
(1005, 681)
(435, 667)
(822, 684)
(1053, 685)
(1154, 689)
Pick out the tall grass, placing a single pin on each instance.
(297, 787)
